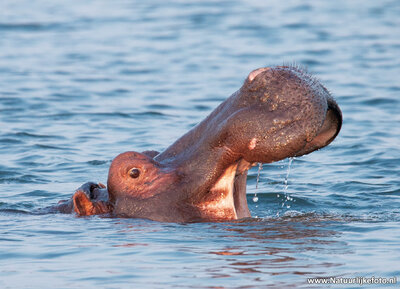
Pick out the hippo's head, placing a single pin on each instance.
(279, 112)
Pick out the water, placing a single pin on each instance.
(255, 198)
(81, 81)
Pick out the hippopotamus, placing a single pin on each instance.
(279, 112)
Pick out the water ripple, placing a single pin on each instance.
(31, 27)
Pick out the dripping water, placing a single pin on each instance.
(255, 198)
(286, 197)
(287, 175)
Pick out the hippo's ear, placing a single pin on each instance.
(84, 206)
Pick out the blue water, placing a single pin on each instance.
(82, 81)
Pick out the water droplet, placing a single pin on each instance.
(286, 182)
(255, 198)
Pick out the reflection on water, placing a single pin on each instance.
(255, 250)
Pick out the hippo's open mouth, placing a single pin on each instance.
(279, 112)
(227, 197)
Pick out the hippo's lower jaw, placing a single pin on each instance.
(279, 112)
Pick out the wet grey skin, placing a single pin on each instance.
(279, 112)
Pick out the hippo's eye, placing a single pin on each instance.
(134, 173)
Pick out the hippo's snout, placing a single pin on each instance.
(328, 131)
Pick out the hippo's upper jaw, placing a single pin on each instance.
(279, 112)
